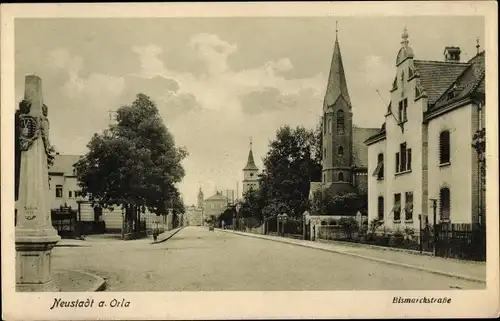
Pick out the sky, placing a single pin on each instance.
(219, 82)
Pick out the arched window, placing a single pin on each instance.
(380, 208)
(341, 177)
(444, 147)
(324, 178)
(444, 202)
(329, 126)
(341, 151)
(340, 122)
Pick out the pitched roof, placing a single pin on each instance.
(359, 148)
(337, 84)
(217, 197)
(436, 76)
(469, 81)
(63, 164)
(250, 161)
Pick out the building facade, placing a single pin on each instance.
(423, 151)
(214, 205)
(345, 161)
(250, 173)
(63, 185)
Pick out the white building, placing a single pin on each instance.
(424, 149)
(63, 184)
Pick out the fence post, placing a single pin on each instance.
(434, 219)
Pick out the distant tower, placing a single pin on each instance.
(337, 124)
(250, 178)
(200, 199)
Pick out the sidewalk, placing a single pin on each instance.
(167, 235)
(466, 270)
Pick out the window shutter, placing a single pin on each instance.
(409, 159)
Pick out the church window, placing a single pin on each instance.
(444, 147)
(341, 151)
(380, 208)
(444, 200)
(341, 177)
(59, 191)
(329, 126)
(324, 153)
(340, 122)
(324, 178)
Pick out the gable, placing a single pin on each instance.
(359, 148)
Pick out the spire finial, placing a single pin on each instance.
(336, 29)
(404, 37)
(250, 142)
(477, 44)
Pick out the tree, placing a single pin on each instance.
(341, 204)
(134, 163)
(289, 166)
(252, 205)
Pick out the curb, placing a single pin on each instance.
(453, 275)
(168, 237)
(99, 284)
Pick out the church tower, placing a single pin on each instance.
(337, 124)
(200, 199)
(250, 178)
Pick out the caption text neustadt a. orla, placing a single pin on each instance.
(90, 303)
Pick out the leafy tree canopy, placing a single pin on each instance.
(134, 162)
(291, 163)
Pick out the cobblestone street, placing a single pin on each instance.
(195, 259)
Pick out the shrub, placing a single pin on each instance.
(348, 225)
(374, 224)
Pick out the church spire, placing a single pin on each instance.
(337, 84)
(250, 161)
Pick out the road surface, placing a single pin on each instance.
(198, 260)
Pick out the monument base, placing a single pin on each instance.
(33, 259)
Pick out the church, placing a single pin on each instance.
(345, 156)
(250, 173)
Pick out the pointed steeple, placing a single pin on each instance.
(337, 84)
(250, 161)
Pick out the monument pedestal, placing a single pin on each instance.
(35, 235)
(33, 260)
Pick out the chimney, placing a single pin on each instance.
(452, 54)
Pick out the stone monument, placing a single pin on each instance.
(35, 235)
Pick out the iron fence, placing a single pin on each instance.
(462, 241)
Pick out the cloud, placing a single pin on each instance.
(214, 112)
(213, 51)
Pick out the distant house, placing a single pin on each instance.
(214, 205)
(424, 149)
(63, 184)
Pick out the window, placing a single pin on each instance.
(380, 207)
(70, 194)
(444, 200)
(397, 207)
(341, 151)
(59, 191)
(340, 122)
(409, 206)
(341, 177)
(324, 178)
(379, 170)
(403, 159)
(402, 153)
(405, 107)
(444, 147)
(329, 126)
(403, 110)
